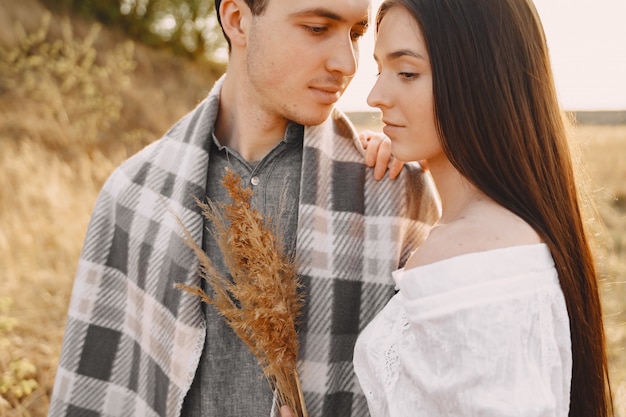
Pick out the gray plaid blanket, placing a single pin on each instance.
(133, 341)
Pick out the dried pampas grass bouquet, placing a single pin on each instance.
(262, 303)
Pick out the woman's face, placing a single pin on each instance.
(404, 89)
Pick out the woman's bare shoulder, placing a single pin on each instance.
(492, 227)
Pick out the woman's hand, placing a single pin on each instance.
(378, 154)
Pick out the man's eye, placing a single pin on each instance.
(356, 35)
(316, 30)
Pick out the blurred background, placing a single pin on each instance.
(587, 49)
(84, 84)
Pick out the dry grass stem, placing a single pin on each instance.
(263, 301)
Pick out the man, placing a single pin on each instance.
(134, 345)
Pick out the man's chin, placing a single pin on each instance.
(313, 118)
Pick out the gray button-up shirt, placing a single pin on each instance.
(229, 381)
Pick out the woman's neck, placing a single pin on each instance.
(456, 192)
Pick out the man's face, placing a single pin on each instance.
(301, 55)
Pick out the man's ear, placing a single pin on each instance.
(235, 15)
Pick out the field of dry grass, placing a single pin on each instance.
(75, 102)
(605, 153)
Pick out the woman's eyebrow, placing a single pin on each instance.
(400, 53)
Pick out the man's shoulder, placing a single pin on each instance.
(130, 170)
(415, 172)
(190, 135)
(423, 199)
(343, 124)
(337, 137)
(167, 159)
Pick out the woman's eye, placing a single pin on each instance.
(407, 76)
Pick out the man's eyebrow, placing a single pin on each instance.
(322, 12)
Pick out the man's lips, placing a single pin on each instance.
(329, 89)
(327, 94)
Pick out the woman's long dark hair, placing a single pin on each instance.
(501, 126)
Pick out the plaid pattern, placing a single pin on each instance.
(353, 231)
(133, 342)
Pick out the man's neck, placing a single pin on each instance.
(244, 127)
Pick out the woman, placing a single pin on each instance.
(498, 312)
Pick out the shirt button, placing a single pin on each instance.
(255, 180)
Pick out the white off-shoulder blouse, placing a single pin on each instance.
(482, 334)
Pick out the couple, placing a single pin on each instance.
(497, 309)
